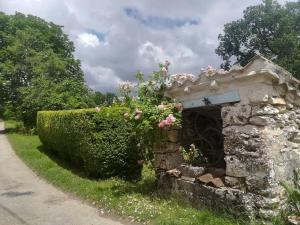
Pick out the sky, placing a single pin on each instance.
(114, 39)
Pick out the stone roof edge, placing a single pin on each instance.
(283, 75)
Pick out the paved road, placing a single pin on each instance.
(27, 200)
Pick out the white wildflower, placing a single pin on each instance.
(126, 86)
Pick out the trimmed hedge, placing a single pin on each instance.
(103, 143)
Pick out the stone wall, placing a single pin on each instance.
(261, 146)
(167, 154)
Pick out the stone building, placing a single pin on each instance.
(246, 123)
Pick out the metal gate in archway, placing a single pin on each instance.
(203, 127)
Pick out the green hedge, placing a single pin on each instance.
(103, 143)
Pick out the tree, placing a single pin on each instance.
(110, 98)
(99, 98)
(47, 94)
(269, 28)
(2, 97)
(31, 47)
(104, 99)
(31, 51)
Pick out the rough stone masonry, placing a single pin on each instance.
(260, 112)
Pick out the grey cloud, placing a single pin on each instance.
(120, 44)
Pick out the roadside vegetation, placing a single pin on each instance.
(38, 72)
(136, 200)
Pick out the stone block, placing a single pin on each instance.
(246, 131)
(206, 178)
(289, 106)
(166, 147)
(296, 138)
(191, 171)
(216, 182)
(270, 192)
(235, 182)
(257, 182)
(261, 120)
(216, 172)
(167, 161)
(260, 110)
(268, 203)
(291, 115)
(281, 108)
(290, 132)
(235, 167)
(287, 119)
(255, 98)
(166, 183)
(213, 177)
(297, 110)
(295, 220)
(173, 135)
(235, 115)
(189, 179)
(267, 214)
(174, 173)
(276, 101)
(185, 185)
(243, 140)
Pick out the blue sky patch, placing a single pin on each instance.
(159, 22)
(100, 35)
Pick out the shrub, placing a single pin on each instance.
(103, 142)
(293, 192)
(151, 111)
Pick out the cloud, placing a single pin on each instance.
(114, 39)
(151, 52)
(88, 40)
(101, 78)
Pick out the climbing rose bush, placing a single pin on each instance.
(151, 111)
(168, 121)
(180, 78)
(126, 87)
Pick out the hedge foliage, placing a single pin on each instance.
(103, 143)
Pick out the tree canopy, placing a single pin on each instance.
(269, 28)
(50, 95)
(36, 57)
(104, 99)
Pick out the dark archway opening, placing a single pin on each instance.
(203, 127)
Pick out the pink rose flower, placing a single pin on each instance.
(171, 118)
(209, 67)
(168, 122)
(179, 106)
(138, 116)
(161, 106)
(162, 123)
(137, 111)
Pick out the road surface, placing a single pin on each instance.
(25, 199)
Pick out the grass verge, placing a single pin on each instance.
(137, 201)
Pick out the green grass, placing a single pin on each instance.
(137, 201)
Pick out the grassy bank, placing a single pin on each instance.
(138, 201)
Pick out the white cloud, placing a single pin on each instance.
(88, 40)
(151, 52)
(113, 45)
(101, 78)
